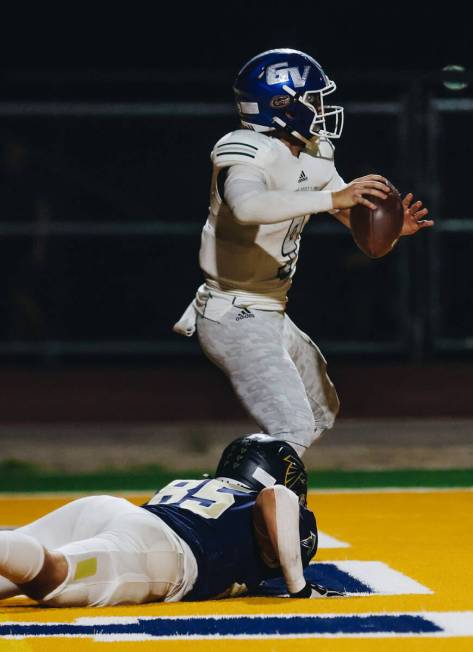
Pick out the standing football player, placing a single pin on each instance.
(194, 540)
(268, 179)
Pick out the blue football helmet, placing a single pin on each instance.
(285, 89)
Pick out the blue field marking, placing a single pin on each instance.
(234, 627)
(328, 575)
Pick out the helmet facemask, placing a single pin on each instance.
(317, 119)
(328, 121)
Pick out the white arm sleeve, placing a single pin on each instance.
(336, 183)
(287, 526)
(251, 202)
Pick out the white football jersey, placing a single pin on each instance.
(259, 259)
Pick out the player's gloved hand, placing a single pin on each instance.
(312, 590)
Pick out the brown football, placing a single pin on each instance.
(377, 231)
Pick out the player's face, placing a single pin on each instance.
(315, 100)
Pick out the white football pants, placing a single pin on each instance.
(117, 553)
(277, 371)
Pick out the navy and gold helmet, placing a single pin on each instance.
(259, 461)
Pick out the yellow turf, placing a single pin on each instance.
(425, 535)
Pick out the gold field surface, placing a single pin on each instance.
(411, 549)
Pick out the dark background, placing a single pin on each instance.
(222, 35)
(106, 124)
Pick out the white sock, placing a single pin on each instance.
(21, 557)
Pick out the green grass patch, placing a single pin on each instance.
(20, 476)
(391, 478)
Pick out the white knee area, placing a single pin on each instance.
(21, 557)
(300, 441)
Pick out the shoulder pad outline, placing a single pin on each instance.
(243, 147)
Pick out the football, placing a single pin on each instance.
(377, 231)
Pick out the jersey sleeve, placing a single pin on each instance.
(242, 182)
(243, 147)
(327, 152)
(308, 535)
(335, 182)
(247, 195)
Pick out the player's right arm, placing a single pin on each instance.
(246, 157)
(251, 202)
(276, 523)
(353, 193)
(345, 196)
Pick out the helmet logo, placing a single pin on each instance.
(293, 472)
(279, 73)
(280, 101)
(310, 541)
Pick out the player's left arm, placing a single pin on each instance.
(414, 216)
(342, 215)
(414, 213)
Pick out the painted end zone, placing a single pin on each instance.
(353, 578)
(408, 551)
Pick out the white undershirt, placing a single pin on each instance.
(287, 526)
(251, 202)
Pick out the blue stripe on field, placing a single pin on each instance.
(236, 626)
(332, 576)
(325, 574)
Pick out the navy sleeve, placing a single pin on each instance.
(308, 535)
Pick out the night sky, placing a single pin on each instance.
(176, 52)
(223, 35)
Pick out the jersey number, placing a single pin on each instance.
(209, 501)
(290, 247)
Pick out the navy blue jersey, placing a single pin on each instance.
(215, 519)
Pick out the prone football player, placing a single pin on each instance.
(193, 540)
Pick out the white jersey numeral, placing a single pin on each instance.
(209, 501)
